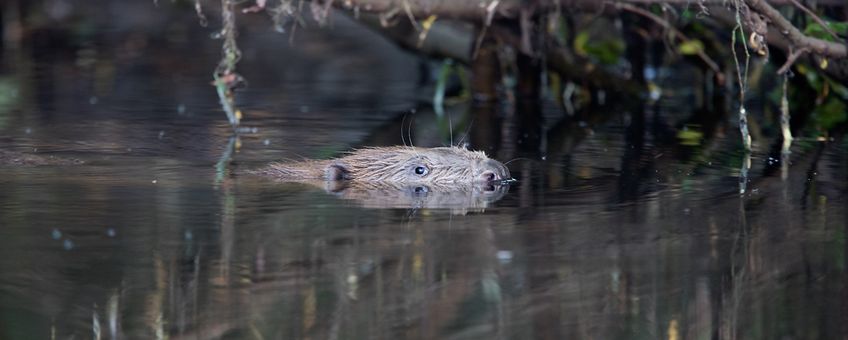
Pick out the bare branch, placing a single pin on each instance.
(477, 11)
(796, 38)
(791, 60)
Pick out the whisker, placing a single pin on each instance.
(411, 120)
(402, 124)
(516, 159)
(450, 128)
(467, 131)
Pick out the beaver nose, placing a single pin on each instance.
(493, 170)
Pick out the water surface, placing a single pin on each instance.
(613, 231)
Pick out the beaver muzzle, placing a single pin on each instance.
(493, 172)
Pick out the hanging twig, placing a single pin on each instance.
(226, 78)
(490, 14)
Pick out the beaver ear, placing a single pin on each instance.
(336, 187)
(336, 172)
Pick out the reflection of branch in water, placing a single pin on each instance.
(224, 161)
(95, 323)
(785, 128)
(112, 309)
(228, 207)
(811, 173)
(743, 172)
(738, 277)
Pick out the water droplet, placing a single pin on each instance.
(28, 131)
(56, 234)
(92, 100)
(181, 109)
(111, 232)
(266, 142)
(153, 181)
(304, 109)
(68, 244)
(161, 134)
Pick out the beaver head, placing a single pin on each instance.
(444, 165)
(399, 164)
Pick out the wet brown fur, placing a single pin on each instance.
(396, 164)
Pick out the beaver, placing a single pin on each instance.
(442, 166)
(459, 200)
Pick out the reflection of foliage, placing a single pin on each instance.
(606, 51)
(690, 135)
(8, 97)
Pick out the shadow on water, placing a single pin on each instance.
(626, 220)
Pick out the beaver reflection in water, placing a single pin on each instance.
(443, 166)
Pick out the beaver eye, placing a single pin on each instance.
(421, 170)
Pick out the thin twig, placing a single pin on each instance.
(490, 14)
(408, 10)
(791, 59)
(743, 87)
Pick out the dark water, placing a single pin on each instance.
(615, 230)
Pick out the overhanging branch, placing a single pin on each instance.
(476, 11)
(798, 40)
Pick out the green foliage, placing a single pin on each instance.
(815, 30)
(833, 96)
(831, 113)
(690, 47)
(606, 51)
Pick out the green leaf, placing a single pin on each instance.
(606, 51)
(580, 42)
(691, 47)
